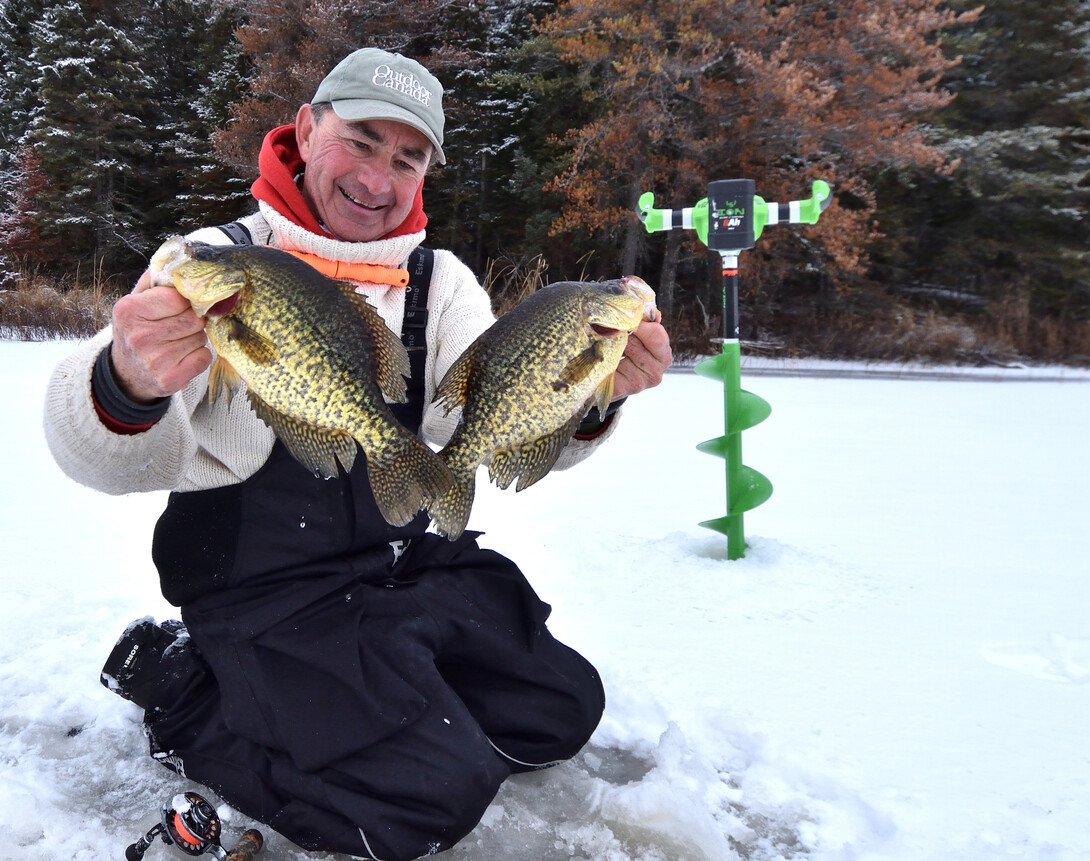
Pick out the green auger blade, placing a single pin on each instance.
(722, 525)
(749, 410)
(719, 446)
(731, 527)
(749, 489)
(714, 367)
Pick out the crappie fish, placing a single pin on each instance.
(527, 382)
(316, 360)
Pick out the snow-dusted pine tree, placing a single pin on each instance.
(1010, 224)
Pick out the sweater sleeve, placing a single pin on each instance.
(92, 454)
(93, 448)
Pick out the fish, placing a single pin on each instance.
(526, 383)
(315, 361)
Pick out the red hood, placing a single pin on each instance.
(279, 164)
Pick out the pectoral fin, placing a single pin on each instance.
(256, 347)
(222, 377)
(578, 368)
(604, 394)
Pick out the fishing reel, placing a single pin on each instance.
(192, 824)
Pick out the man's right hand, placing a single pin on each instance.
(159, 342)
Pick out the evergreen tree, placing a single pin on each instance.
(113, 148)
(87, 135)
(1022, 65)
(18, 95)
(481, 201)
(17, 83)
(1011, 220)
(199, 72)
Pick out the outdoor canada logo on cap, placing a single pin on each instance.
(371, 84)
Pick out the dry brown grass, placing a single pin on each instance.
(1046, 339)
(1008, 333)
(508, 282)
(36, 308)
(1003, 336)
(900, 335)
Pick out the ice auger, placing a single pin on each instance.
(730, 220)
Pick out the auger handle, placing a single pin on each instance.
(696, 217)
(795, 212)
(689, 218)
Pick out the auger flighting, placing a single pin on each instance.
(730, 220)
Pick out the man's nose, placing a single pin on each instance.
(375, 177)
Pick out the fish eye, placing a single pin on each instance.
(202, 251)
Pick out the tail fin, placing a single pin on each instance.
(407, 481)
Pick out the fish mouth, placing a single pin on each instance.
(223, 307)
(212, 290)
(642, 290)
(171, 253)
(606, 331)
(215, 307)
(625, 305)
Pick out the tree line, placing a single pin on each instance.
(953, 135)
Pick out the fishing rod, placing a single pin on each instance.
(729, 221)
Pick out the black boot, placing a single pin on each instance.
(149, 661)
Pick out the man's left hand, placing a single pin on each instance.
(645, 359)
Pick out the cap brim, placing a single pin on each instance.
(353, 110)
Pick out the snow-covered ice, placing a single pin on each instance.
(898, 670)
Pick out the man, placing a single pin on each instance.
(359, 687)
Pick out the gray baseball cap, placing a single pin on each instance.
(371, 84)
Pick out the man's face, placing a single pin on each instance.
(361, 177)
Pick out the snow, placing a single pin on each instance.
(898, 670)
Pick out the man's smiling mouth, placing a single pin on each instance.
(358, 202)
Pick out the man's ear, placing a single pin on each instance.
(305, 125)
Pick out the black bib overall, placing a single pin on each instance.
(361, 688)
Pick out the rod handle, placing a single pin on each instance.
(247, 847)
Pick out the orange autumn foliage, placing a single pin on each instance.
(683, 93)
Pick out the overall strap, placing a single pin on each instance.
(237, 232)
(420, 266)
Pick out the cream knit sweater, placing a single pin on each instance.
(195, 446)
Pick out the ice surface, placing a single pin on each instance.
(897, 670)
